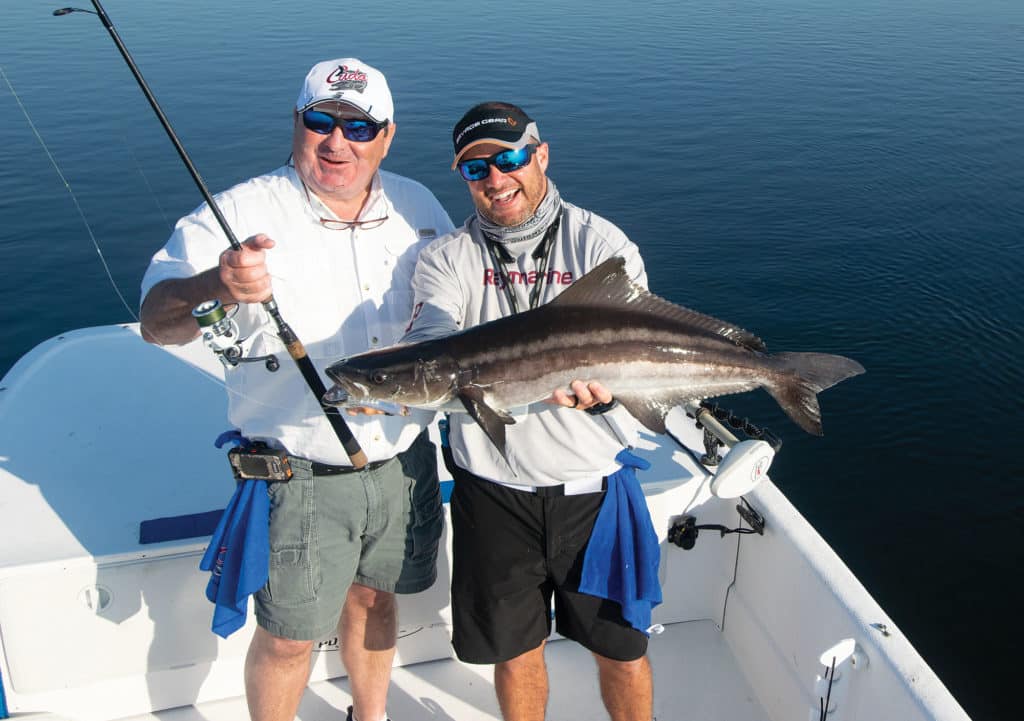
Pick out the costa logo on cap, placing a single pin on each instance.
(345, 78)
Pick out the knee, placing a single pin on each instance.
(524, 661)
(370, 600)
(637, 668)
(266, 645)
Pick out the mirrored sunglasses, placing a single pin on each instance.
(507, 161)
(358, 131)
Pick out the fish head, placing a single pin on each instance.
(400, 374)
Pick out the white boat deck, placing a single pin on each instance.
(100, 432)
(697, 679)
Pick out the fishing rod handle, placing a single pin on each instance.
(348, 441)
(298, 353)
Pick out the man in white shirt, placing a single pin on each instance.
(334, 240)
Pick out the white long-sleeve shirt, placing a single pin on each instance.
(342, 291)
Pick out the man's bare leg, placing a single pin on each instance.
(276, 674)
(626, 688)
(522, 686)
(369, 627)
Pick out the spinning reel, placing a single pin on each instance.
(221, 335)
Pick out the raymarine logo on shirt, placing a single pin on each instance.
(515, 277)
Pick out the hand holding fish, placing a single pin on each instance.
(244, 272)
(371, 411)
(585, 394)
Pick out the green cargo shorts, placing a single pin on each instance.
(379, 527)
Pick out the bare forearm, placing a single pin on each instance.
(166, 315)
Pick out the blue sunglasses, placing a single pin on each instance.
(358, 131)
(506, 161)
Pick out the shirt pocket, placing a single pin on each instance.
(396, 312)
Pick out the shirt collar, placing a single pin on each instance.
(376, 205)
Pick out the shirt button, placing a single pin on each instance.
(375, 340)
(377, 438)
(366, 287)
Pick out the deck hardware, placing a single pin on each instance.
(824, 707)
(832, 684)
(684, 530)
(746, 464)
(751, 515)
(711, 456)
(881, 628)
(706, 414)
(96, 598)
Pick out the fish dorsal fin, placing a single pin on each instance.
(608, 285)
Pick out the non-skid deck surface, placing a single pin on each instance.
(695, 679)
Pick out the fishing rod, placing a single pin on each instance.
(210, 314)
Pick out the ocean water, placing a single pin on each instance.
(836, 176)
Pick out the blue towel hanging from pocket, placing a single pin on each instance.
(238, 557)
(622, 557)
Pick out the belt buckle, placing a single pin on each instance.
(550, 491)
(560, 490)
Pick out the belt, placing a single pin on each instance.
(323, 469)
(575, 488)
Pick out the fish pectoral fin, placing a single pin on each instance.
(492, 421)
(650, 411)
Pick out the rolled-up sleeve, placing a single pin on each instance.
(438, 298)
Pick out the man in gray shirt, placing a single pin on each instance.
(521, 524)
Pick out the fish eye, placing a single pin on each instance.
(378, 377)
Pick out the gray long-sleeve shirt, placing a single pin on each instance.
(456, 287)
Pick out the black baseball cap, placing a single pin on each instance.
(501, 124)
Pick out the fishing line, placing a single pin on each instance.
(74, 199)
(295, 348)
(206, 375)
(145, 179)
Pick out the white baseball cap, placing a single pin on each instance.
(350, 81)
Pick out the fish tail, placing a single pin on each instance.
(801, 377)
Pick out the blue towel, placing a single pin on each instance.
(621, 562)
(238, 556)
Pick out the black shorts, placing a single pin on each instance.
(513, 551)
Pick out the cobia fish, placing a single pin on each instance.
(650, 353)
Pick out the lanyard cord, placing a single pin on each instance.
(500, 257)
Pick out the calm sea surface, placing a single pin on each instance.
(835, 175)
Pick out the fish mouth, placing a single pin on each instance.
(347, 391)
(337, 395)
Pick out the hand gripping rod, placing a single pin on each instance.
(295, 348)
